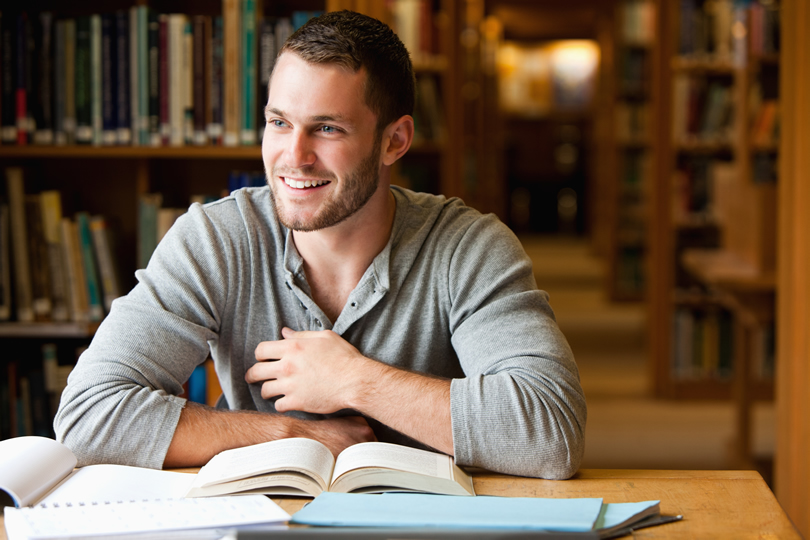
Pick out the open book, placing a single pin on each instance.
(306, 467)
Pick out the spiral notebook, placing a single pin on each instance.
(53, 499)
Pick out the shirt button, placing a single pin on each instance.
(318, 322)
(354, 304)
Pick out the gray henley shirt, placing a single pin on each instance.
(452, 294)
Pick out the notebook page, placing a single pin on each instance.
(113, 483)
(119, 518)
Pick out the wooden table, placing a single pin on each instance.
(714, 504)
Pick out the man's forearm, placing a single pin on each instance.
(203, 432)
(414, 404)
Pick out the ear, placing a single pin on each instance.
(397, 139)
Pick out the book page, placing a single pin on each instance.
(297, 454)
(116, 483)
(32, 466)
(394, 456)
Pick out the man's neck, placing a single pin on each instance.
(336, 258)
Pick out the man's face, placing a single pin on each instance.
(320, 150)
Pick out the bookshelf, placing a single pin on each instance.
(712, 289)
(112, 178)
(632, 129)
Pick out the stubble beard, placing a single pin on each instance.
(358, 187)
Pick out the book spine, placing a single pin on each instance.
(248, 50)
(188, 81)
(267, 59)
(215, 126)
(38, 260)
(176, 25)
(77, 292)
(5, 263)
(154, 79)
(85, 238)
(8, 105)
(95, 79)
(83, 79)
(51, 210)
(19, 241)
(134, 84)
(199, 31)
(143, 75)
(110, 286)
(165, 119)
(59, 136)
(44, 133)
(122, 106)
(108, 80)
(207, 76)
(22, 78)
(13, 381)
(231, 71)
(147, 226)
(69, 123)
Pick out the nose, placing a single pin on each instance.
(299, 152)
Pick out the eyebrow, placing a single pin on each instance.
(316, 118)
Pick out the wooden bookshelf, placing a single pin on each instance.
(629, 171)
(712, 247)
(109, 180)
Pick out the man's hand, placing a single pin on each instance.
(317, 372)
(336, 433)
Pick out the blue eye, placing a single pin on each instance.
(329, 129)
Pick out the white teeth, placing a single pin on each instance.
(302, 184)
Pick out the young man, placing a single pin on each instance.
(335, 306)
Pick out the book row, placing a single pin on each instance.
(719, 29)
(139, 77)
(702, 109)
(53, 267)
(30, 390)
(702, 341)
(145, 78)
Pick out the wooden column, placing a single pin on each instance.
(792, 460)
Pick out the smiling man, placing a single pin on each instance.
(335, 306)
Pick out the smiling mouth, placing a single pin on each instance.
(303, 184)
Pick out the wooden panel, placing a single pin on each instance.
(792, 473)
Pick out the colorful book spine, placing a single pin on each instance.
(165, 117)
(122, 105)
(154, 78)
(85, 238)
(109, 119)
(5, 264)
(215, 123)
(44, 99)
(134, 78)
(59, 136)
(143, 75)
(83, 79)
(95, 80)
(108, 274)
(38, 259)
(187, 63)
(74, 269)
(69, 122)
(248, 124)
(8, 100)
(267, 59)
(19, 241)
(22, 79)
(175, 98)
(231, 71)
(200, 23)
(51, 210)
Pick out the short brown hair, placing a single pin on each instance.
(356, 41)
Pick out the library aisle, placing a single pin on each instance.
(627, 427)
